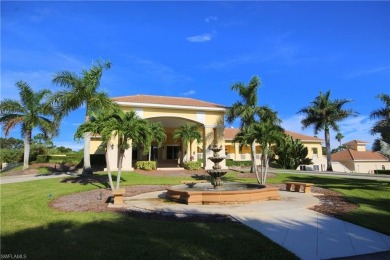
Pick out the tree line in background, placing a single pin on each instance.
(44, 110)
(11, 149)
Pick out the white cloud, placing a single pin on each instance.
(154, 70)
(200, 38)
(210, 19)
(363, 72)
(36, 79)
(188, 93)
(353, 128)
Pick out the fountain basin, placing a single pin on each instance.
(230, 193)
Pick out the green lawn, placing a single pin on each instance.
(29, 226)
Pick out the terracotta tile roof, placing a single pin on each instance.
(353, 155)
(304, 137)
(354, 142)
(230, 133)
(165, 100)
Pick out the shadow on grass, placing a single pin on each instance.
(99, 181)
(125, 237)
(342, 183)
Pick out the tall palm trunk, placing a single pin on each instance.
(108, 168)
(254, 165)
(328, 152)
(264, 165)
(121, 154)
(87, 158)
(27, 142)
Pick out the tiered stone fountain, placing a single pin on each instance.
(218, 193)
(216, 173)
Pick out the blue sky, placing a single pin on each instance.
(199, 49)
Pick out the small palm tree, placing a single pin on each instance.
(128, 126)
(187, 133)
(268, 131)
(157, 135)
(32, 111)
(246, 109)
(99, 125)
(265, 132)
(382, 126)
(79, 91)
(324, 114)
(339, 137)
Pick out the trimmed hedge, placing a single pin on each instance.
(387, 172)
(230, 162)
(192, 165)
(146, 165)
(73, 159)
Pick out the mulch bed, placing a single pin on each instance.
(332, 203)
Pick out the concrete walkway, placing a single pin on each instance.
(32, 177)
(288, 222)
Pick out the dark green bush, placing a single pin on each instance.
(43, 158)
(146, 165)
(230, 163)
(11, 155)
(387, 172)
(73, 159)
(192, 165)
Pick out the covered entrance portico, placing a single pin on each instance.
(174, 112)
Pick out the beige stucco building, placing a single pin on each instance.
(356, 158)
(313, 144)
(172, 112)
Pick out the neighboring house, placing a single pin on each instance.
(172, 112)
(356, 158)
(313, 144)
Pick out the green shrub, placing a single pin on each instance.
(146, 165)
(73, 159)
(387, 172)
(231, 163)
(11, 155)
(43, 158)
(192, 165)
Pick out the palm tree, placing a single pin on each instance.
(128, 126)
(187, 133)
(79, 91)
(157, 135)
(268, 131)
(265, 132)
(382, 126)
(30, 112)
(246, 109)
(324, 114)
(339, 137)
(99, 125)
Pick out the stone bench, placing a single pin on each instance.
(118, 196)
(298, 185)
(192, 183)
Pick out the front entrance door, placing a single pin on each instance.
(172, 152)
